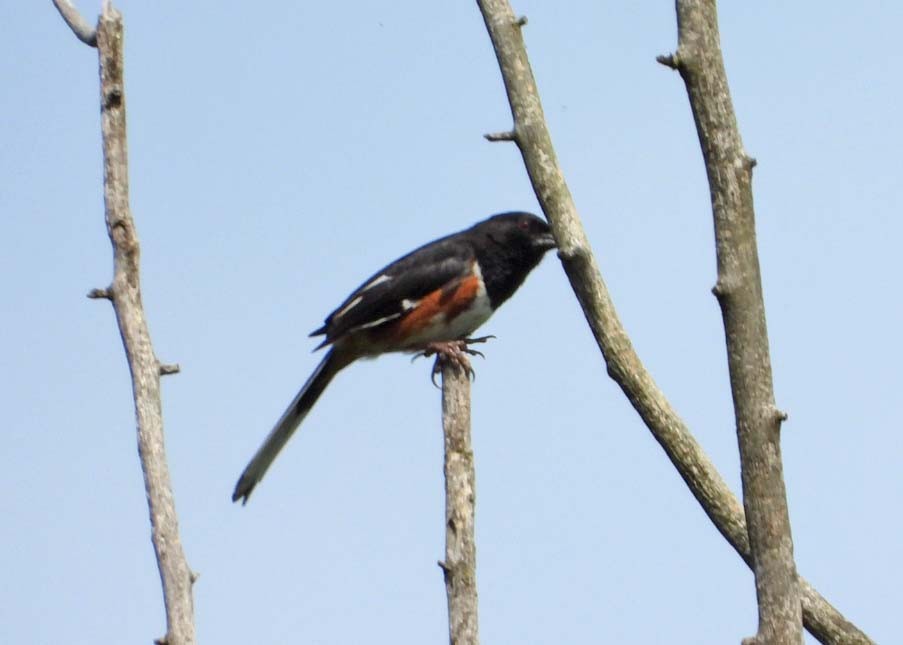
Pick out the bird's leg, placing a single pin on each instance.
(454, 352)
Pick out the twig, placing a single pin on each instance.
(500, 136)
(79, 26)
(166, 369)
(739, 292)
(101, 294)
(624, 366)
(125, 294)
(459, 567)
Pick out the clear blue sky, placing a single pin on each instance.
(282, 152)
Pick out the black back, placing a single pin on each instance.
(506, 246)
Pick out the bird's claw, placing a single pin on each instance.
(454, 352)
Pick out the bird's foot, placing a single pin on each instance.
(453, 352)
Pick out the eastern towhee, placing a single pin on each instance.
(436, 294)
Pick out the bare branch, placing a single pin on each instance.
(623, 364)
(668, 60)
(143, 364)
(101, 294)
(82, 30)
(739, 292)
(509, 135)
(459, 567)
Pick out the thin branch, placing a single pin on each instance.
(739, 292)
(624, 366)
(668, 60)
(101, 294)
(459, 567)
(500, 136)
(79, 26)
(125, 294)
(167, 369)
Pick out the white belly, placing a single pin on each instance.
(461, 326)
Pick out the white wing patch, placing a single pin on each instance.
(375, 323)
(351, 305)
(354, 303)
(436, 329)
(376, 281)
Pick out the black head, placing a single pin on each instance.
(518, 230)
(508, 247)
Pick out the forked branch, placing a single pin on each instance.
(624, 366)
(79, 26)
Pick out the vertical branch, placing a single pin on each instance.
(624, 366)
(739, 292)
(459, 566)
(125, 294)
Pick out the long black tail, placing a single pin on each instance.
(287, 424)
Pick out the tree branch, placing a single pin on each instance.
(624, 366)
(459, 566)
(79, 26)
(125, 294)
(739, 292)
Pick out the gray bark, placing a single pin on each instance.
(739, 293)
(125, 295)
(459, 566)
(624, 366)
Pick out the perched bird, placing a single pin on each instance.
(437, 294)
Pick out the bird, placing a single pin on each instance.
(428, 301)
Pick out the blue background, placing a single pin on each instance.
(280, 153)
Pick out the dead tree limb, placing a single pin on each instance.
(739, 292)
(125, 294)
(79, 26)
(459, 567)
(624, 366)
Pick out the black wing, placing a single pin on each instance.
(391, 291)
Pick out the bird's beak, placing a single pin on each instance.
(545, 242)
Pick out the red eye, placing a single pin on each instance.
(523, 224)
